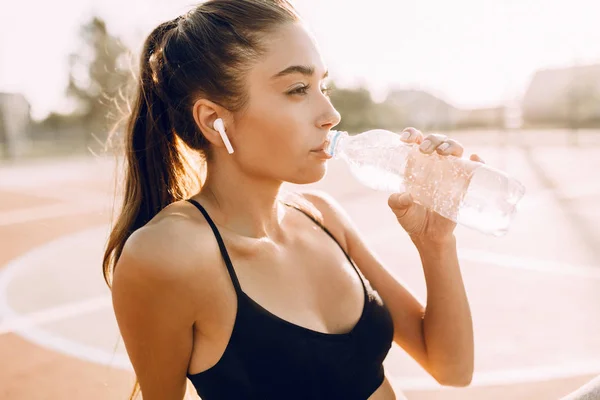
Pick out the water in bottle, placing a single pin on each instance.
(470, 193)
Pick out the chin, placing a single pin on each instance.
(310, 175)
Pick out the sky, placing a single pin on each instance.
(471, 53)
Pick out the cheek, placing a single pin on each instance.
(274, 130)
(277, 151)
(270, 149)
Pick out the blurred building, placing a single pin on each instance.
(492, 117)
(428, 112)
(566, 97)
(15, 122)
(422, 109)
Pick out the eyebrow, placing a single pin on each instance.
(298, 69)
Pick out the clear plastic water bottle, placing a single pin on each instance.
(470, 193)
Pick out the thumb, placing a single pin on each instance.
(475, 157)
(400, 203)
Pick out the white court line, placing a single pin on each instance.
(529, 263)
(77, 350)
(53, 314)
(116, 360)
(589, 213)
(29, 326)
(52, 174)
(51, 211)
(20, 322)
(64, 194)
(519, 263)
(508, 376)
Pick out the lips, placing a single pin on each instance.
(322, 147)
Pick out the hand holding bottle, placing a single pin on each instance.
(438, 178)
(422, 224)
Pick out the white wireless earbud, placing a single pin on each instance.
(220, 127)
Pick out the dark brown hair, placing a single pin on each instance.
(205, 53)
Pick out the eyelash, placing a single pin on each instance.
(303, 90)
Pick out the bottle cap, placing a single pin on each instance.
(333, 140)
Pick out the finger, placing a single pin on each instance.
(431, 142)
(411, 135)
(400, 203)
(450, 147)
(475, 157)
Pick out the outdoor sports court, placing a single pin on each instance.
(534, 294)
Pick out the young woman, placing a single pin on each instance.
(220, 278)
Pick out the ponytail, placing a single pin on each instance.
(159, 167)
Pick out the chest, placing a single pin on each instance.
(307, 281)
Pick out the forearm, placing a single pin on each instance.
(447, 325)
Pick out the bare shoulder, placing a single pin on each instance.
(160, 289)
(330, 209)
(333, 215)
(172, 254)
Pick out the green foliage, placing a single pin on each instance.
(97, 76)
(360, 113)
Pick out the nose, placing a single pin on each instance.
(329, 118)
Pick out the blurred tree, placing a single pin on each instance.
(389, 116)
(3, 138)
(356, 108)
(98, 74)
(360, 113)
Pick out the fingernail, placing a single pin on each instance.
(425, 145)
(444, 146)
(405, 136)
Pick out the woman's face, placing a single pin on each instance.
(288, 114)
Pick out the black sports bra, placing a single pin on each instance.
(268, 357)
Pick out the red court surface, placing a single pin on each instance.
(534, 294)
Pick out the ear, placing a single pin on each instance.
(205, 113)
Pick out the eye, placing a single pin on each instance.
(326, 90)
(302, 90)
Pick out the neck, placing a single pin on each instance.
(246, 204)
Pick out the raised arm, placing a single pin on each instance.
(437, 335)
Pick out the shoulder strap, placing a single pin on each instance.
(358, 272)
(322, 227)
(222, 248)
